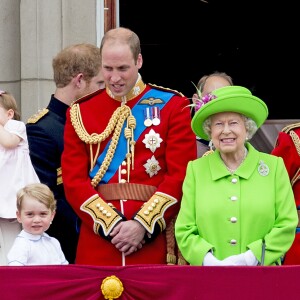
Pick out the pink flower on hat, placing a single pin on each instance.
(205, 99)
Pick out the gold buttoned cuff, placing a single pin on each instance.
(153, 211)
(102, 214)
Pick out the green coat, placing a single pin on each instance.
(233, 213)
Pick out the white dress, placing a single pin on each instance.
(16, 170)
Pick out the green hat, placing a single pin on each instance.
(229, 99)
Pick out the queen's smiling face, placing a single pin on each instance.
(228, 132)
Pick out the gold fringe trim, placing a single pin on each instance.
(171, 259)
(172, 247)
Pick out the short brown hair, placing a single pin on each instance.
(79, 58)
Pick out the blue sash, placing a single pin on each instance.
(138, 113)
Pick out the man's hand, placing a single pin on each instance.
(128, 236)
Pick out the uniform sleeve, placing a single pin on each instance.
(43, 153)
(286, 149)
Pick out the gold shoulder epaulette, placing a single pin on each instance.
(288, 128)
(166, 89)
(59, 176)
(34, 118)
(87, 97)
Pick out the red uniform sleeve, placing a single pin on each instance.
(286, 148)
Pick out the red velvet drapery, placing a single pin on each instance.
(153, 282)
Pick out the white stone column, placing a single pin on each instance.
(10, 65)
(46, 28)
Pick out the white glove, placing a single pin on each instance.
(243, 259)
(211, 260)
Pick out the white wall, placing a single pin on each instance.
(32, 32)
(10, 64)
(46, 28)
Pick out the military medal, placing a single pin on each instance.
(147, 117)
(152, 166)
(263, 169)
(152, 140)
(156, 116)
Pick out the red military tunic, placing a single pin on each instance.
(161, 166)
(288, 147)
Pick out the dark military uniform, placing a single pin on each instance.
(45, 137)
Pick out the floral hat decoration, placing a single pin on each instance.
(236, 99)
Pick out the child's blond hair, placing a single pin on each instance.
(38, 191)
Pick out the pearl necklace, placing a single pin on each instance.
(233, 170)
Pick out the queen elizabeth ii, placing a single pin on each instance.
(238, 206)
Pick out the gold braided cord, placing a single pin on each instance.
(171, 243)
(115, 125)
(132, 124)
(95, 138)
(296, 140)
(296, 177)
(93, 159)
(127, 133)
(110, 152)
